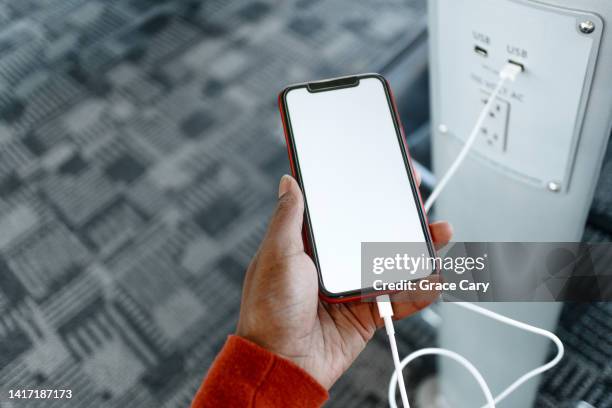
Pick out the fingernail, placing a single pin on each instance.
(283, 187)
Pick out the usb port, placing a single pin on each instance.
(481, 51)
(518, 64)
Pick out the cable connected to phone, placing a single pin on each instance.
(385, 309)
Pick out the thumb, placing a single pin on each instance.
(284, 236)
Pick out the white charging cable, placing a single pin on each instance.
(509, 72)
(491, 402)
(385, 309)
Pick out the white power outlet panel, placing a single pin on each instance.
(494, 130)
(541, 113)
(558, 125)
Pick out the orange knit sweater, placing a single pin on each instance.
(245, 375)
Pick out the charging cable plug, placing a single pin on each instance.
(510, 71)
(385, 311)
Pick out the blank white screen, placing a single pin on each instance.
(354, 177)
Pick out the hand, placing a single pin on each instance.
(281, 310)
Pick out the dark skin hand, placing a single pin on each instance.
(281, 310)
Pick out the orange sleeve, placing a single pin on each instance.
(245, 375)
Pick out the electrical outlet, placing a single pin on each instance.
(494, 130)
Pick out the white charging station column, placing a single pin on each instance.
(532, 173)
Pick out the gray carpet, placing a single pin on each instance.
(140, 150)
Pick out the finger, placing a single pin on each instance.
(417, 176)
(409, 302)
(401, 310)
(284, 236)
(441, 233)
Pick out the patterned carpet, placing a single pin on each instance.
(140, 151)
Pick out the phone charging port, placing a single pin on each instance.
(481, 51)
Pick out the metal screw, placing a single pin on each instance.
(554, 186)
(587, 27)
(443, 129)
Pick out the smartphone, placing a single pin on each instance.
(348, 154)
